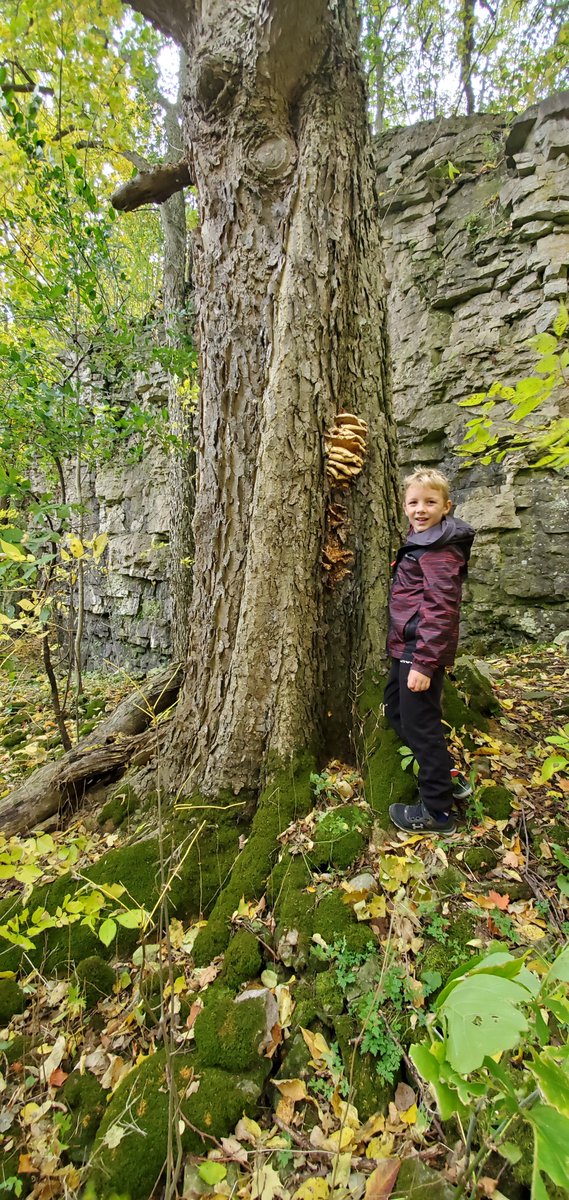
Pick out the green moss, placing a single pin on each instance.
(455, 712)
(369, 1093)
(496, 801)
(86, 1102)
(140, 1103)
(121, 804)
(435, 957)
(328, 995)
(462, 930)
(12, 1000)
(285, 798)
(228, 1034)
(479, 858)
(334, 920)
(95, 978)
(449, 881)
(195, 879)
(293, 908)
(341, 836)
(242, 960)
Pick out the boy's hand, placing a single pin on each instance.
(418, 682)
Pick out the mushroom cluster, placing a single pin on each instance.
(345, 447)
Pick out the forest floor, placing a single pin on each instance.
(427, 902)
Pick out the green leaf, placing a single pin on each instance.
(426, 1063)
(482, 1017)
(543, 343)
(131, 919)
(107, 931)
(538, 1188)
(559, 969)
(510, 1152)
(552, 764)
(551, 1130)
(212, 1172)
(553, 1080)
(12, 552)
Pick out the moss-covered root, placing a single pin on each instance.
(138, 1115)
(285, 798)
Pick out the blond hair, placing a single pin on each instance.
(428, 477)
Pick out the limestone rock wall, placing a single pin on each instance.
(476, 264)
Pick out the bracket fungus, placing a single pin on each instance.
(345, 448)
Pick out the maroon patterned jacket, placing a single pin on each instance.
(424, 605)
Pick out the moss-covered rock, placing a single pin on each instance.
(370, 1094)
(435, 958)
(134, 1166)
(475, 681)
(95, 978)
(496, 801)
(86, 1102)
(480, 858)
(12, 1000)
(287, 796)
(230, 1034)
(293, 908)
(334, 920)
(242, 960)
(328, 995)
(340, 836)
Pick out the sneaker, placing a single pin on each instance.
(461, 788)
(415, 818)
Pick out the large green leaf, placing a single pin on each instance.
(560, 967)
(426, 1063)
(553, 1080)
(551, 1143)
(483, 1017)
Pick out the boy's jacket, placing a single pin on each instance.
(424, 605)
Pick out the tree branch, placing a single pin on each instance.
(152, 187)
(172, 17)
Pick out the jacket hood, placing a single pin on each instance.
(450, 532)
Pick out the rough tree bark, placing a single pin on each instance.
(292, 329)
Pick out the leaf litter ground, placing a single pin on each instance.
(412, 893)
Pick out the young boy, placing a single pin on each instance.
(424, 609)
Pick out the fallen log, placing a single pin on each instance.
(104, 754)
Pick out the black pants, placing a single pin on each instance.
(416, 718)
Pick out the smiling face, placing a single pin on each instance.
(425, 506)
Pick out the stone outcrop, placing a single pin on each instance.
(476, 235)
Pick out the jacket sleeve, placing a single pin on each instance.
(437, 628)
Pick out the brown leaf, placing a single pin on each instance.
(26, 1166)
(57, 1077)
(487, 1186)
(194, 1014)
(499, 901)
(404, 1097)
(382, 1181)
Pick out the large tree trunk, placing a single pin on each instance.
(292, 329)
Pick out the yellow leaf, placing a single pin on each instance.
(99, 545)
(373, 1125)
(317, 1045)
(529, 931)
(179, 985)
(293, 1089)
(12, 552)
(313, 1189)
(380, 1147)
(410, 1116)
(76, 546)
(64, 555)
(247, 1130)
